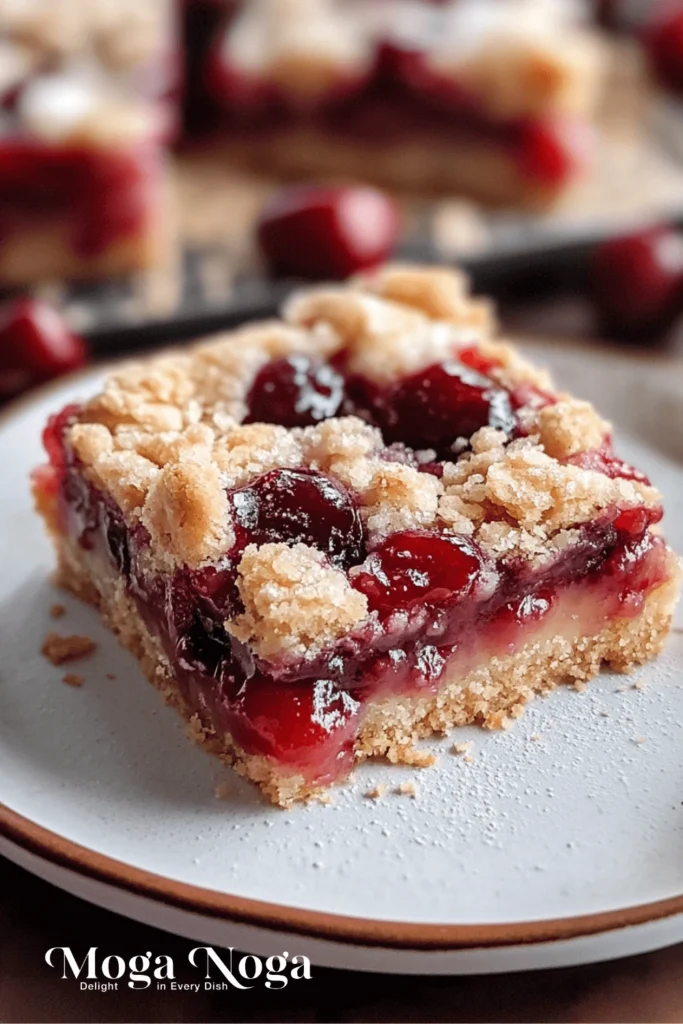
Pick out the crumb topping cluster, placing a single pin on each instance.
(165, 439)
(521, 58)
(72, 68)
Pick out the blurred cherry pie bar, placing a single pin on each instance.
(330, 535)
(86, 103)
(495, 99)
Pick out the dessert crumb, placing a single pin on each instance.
(223, 790)
(377, 792)
(640, 739)
(417, 758)
(323, 798)
(57, 611)
(462, 748)
(580, 685)
(58, 649)
(536, 737)
(72, 679)
(110, 675)
(407, 789)
(640, 685)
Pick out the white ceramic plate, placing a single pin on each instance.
(560, 843)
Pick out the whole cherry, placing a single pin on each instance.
(663, 39)
(35, 345)
(637, 282)
(319, 232)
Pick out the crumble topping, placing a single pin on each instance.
(186, 513)
(441, 294)
(58, 649)
(295, 602)
(122, 33)
(165, 439)
(399, 497)
(571, 426)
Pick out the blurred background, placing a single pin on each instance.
(172, 168)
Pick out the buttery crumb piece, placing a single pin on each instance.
(57, 611)
(536, 737)
(407, 789)
(461, 748)
(377, 792)
(640, 739)
(59, 649)
(223, 790)
(640, 685)
(71, 679)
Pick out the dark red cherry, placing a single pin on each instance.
(603, 461)
(637, 282)
(447, 401)
(310, 725)
(396, 61)
(295, 392)
(413, 568)
(664, 45)
(300, 506)
(324, 232)
(35, 345)
(545, 155)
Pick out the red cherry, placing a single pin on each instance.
(637, 281)
(299, 506)
(603, 461)
(295, 392)
(546, 155)
(324, 232)
(35, 345)
(435, 407)
(664, 46)
(310, 724)
(245, 94)
(412, 568)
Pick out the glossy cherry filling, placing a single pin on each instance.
(439, 607)
(98, 196)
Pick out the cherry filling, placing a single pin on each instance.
(101, 195)
(412, 568)
(437, 407)
(436, 603)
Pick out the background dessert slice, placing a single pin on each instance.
(86, 92)
(497, 101)
(427, 535)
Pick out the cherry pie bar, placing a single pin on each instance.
(492, 98)
(330, 535)
(85, 105)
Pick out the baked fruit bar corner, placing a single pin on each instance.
(330, 535)
(86, 105)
